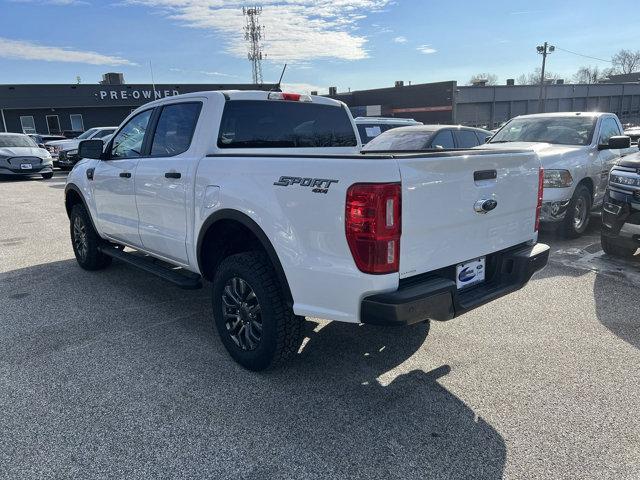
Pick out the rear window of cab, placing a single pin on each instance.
(284, 124)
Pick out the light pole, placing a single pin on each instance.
(543, 50)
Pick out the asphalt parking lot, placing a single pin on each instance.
(117, 374)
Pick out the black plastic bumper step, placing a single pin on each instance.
(178, 276)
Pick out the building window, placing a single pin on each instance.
(77, 125)
(28, 124)
(53, 124)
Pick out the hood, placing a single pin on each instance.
(549, 154)
(65, 144)
(631, 161)
(24, 152)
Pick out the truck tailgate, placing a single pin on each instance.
(440, 192)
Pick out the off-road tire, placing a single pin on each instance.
(281, 333)
(47, 176)
(91, 258)
(610, 247)
(569, 228)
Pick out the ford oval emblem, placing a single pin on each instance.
(466, 275)
(485, 205)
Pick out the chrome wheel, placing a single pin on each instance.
(80, 238)
(242, 314)
(580, 213)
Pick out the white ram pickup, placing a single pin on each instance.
(266, 196)
(577, 151)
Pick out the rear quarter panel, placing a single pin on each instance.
(306, 229)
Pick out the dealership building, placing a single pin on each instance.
(490, 106)
(53, 109)
(58, 108)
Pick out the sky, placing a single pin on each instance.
(350, 44)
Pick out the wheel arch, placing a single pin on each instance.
(219, 224)
(73, 196)
(588, 182)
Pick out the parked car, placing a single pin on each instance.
(41, 139)
(370, 127)
(68, 158)
(428, 137)
(577, 150)
(72, 134)
(620, 234)
(21, 156)
(266, 195)
(634, 134)
(57, 146)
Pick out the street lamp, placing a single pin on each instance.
(543, 50)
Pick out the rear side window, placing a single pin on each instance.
(175, 129)
(283, 124)
(443, 139)
(466, 138)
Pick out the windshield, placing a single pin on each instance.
(399, 140)
(557, 130)
(86, 134)
(16, 141)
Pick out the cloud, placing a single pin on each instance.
(400, 39)
(426, 49)
(294, 30)
(305, 88)
(63, 3)
(217, 74)
(203, 72)
(21, 50)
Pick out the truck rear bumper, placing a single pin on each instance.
(436, 297)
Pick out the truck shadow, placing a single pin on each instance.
(616, 310)
(119, 358)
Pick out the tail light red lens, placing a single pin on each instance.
(540, 195)
(373, 226)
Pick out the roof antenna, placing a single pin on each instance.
(277, 87)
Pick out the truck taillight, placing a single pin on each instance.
(373, 227)
(540, 195)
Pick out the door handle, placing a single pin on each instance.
(172, 175)
(125, 174)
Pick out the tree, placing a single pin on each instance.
(533, 78)
(626, 61)
(490, 78)
(589, 74)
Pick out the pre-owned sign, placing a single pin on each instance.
(136, 94)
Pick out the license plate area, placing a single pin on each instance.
(470, 273)
(26, 166)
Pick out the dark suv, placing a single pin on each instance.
(621, 210)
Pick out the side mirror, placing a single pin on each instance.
(616, 142)
(90, 149)
(487, 138)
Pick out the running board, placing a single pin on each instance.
(178, 276)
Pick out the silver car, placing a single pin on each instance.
(21, 156)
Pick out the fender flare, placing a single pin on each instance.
(73, 187)
(253, 227)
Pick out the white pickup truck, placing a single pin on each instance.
(577, 151)
(267, 196)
